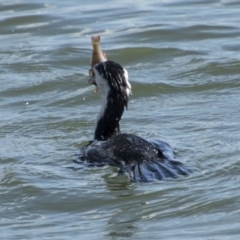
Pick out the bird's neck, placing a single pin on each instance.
(108, 120)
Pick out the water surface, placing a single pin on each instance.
(183, 59)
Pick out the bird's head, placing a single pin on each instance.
(111, 80)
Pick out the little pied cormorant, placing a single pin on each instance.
(141, 159)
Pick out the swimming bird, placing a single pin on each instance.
(140, 159)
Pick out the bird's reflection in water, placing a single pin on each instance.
(124, 219)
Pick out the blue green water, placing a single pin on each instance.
(183, 60)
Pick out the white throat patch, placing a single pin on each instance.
(103, 89)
